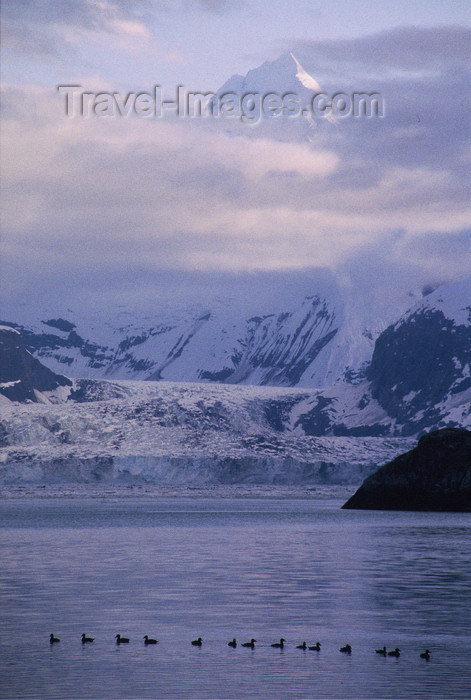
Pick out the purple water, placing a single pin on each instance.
(217, 567)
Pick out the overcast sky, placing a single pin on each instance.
(110, 203)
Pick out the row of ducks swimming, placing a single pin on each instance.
(397, 652)
(119, 639)
(347, 649)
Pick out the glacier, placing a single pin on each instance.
(238, 428)
(179, 433)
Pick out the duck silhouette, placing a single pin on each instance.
(396, 652)
(232, 644)
(347, 649)
(381, 651)
(315, 647)
(425, 654)
(302, 646)
(197, 642)
(280, 644)
(121, 640)
(87, 640)
(250, 644)
(148, 640)
(52, 639)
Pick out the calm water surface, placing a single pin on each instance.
(264, 567)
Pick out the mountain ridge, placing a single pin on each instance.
(22, 377)
(265, 333)
(416, 375)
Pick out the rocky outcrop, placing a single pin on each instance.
(434, 476)
(21, 374)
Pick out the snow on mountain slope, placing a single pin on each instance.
(302, 329)
(147, 432)
(282, 76)
(23, 377)
(172, 433)
(453, 300)
(277, 76)
(420, 372)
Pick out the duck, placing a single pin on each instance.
(87, 640)
(315, 647)
(347, 649)
(197, 642)
(425, 654)
(148, 640)
(280, 644)
(250, 644)
(381, 651)
(121, 640)
(52, 639)
(232, 644)
(302, 646)
(396, 652)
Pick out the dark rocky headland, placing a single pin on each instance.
(434, 476)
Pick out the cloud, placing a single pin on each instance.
(414, 50)
(107, 198)
(127, 192)
(214, 5)
(430, 257)
(48, 28)
(45, 28)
